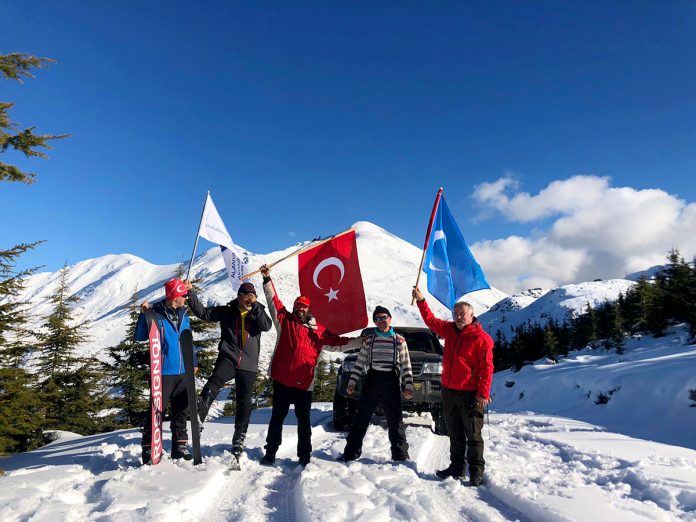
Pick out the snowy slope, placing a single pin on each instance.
(646, 392)
(388, 264)
(541, 306)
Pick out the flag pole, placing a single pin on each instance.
(313, 243)
(198, 234)
(427, 238)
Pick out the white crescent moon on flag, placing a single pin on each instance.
(439, 235)
(328, 262)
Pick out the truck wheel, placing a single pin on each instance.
(343, 412)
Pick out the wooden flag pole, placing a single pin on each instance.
(313, 243)
(427, 239)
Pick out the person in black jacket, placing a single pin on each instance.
(241, 322)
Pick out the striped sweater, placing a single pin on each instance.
(379, 353)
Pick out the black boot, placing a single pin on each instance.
(268, 459)
(203, 404)
(453, 471)
(180, 451)
(475, 480)
(304, 460)
(146, 455)
(238, 443)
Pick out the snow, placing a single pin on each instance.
(554, 455)
(539, 467)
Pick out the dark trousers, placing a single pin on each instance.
(464, 420)
(283, 397)
(384, 386)
(174, 392)
(226, 370)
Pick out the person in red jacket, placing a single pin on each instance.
(467, 373)
(300, 342)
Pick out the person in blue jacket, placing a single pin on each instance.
(172, 319)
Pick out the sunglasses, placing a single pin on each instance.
(380, 318)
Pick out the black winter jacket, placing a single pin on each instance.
(256, 321)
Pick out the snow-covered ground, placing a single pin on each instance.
(648, 392)
(553, 454)
(539, 468)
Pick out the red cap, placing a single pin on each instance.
(303, 300)
(175, 288)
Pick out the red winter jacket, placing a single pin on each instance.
(299, 343)
(468, 359)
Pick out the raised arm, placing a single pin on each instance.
(275, 305)
(436, 325)
(206, 313)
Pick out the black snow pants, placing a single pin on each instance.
(384, 386)
(283, 397)
(226, 370)
(174, 392)
(464, 420)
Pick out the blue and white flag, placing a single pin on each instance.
(451, 268)
(214, 230)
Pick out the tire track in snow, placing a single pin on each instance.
(474, 504)
(266, 493)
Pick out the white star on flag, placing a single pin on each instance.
(333, 294)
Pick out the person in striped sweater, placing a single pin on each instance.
(384, 358)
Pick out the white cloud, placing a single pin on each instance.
(597, 231)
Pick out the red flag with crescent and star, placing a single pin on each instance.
(330, 276)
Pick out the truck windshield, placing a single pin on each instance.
(417, 340)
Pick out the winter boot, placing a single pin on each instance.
(180, 450)
(453, 471)
(146, 455)
(475, 481)
(268, 459)
(203, 404)
(238, 443)
(304, 460)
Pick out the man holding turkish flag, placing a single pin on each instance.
(330, 276)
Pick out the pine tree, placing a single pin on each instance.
(130, 371)
(73, 389)
(324, 381)
(551, 345)
(14, 336)
(614, 333)
(58, 342)
(21, 411)
(20, 405)
(16, 66)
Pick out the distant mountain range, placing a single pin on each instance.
(388, 264)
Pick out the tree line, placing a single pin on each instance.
(648, 308)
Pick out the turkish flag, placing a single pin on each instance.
(329, 275)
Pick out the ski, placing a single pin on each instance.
(186, 340)
(155, 387)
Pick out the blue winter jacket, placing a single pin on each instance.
(173, 362)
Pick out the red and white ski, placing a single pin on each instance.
(155, 387)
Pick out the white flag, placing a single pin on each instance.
(214, 230)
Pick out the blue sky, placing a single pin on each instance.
(302, 118)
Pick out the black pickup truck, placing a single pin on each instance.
(425, 352)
